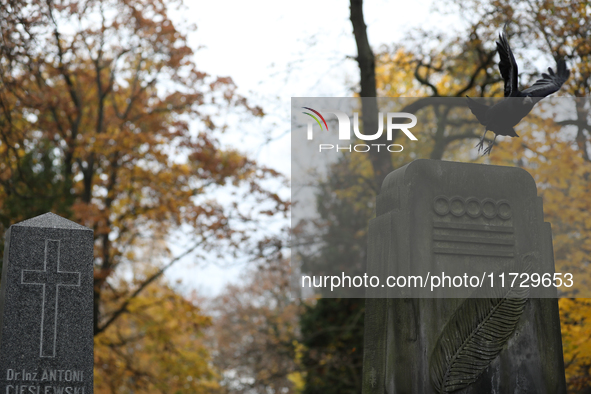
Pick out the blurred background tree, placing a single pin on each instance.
(255, 333)
(106, 120)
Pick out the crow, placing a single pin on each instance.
(504, 115)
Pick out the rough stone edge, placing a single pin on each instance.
(51, 220)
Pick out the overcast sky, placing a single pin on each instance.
(276, 50)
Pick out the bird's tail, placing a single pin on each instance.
(510, 132)
(479, 110)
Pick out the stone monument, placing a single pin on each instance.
(46, 304)
(437, 217)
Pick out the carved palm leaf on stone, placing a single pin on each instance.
(477, 332)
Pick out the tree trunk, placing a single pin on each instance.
(381, 162)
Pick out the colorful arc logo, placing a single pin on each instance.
(315, 118)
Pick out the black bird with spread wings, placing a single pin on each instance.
(503, 116)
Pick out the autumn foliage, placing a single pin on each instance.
(255, 333)
(105, 119)
(158, 346)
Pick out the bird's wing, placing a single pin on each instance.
(507, 66)
(549, 83)
(478, 109)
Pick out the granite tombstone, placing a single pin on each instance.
(436, 217)
(46, 304)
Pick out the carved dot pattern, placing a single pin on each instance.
(473, 207)
(441, 205)
(457, 206)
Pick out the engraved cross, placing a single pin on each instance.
(51, 278)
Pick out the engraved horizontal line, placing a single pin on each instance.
(473, 227)
(476, 240)
(473, 252)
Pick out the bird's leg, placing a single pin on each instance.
(489, 147)
(480, 144)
